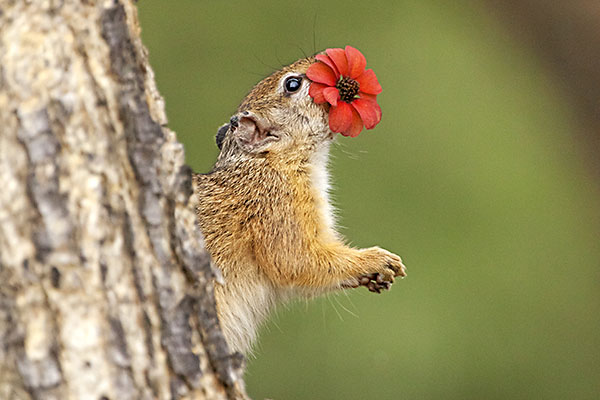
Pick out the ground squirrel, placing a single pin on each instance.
(265, 214)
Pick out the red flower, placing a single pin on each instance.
(339, 78)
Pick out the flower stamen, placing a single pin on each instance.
(348, 88)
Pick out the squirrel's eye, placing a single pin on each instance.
(292, 84)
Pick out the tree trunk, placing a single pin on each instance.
(106, 289)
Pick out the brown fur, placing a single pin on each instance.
(265, 215)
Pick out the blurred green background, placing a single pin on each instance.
(474, 176)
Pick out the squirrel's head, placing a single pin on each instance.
(278, 118)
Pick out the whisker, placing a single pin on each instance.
(302, 50)
(344, 308)
(273, 69)
(336, 310)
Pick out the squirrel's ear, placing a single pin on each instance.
(248, 132)
(221, 135)
(251, 131)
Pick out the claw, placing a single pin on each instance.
(398, 271)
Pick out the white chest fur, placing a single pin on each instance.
(319, 176)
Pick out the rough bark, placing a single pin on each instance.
(566, 34)
(106, 289)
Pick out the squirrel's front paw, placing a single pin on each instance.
(385, 267)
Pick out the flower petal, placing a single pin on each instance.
(356, 125)
(316, 92)
(356, 62)
(369, 111)
(376, 106)
(332, 95)
(340, 117)
(321, 73)
(338, 56)
(368, 82)
(372, 98)
(329, 62)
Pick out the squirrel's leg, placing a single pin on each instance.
(335, 265)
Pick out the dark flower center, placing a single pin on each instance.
(348, 88)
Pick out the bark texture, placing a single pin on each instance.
(105, 286)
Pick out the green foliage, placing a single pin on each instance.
(474, 176)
